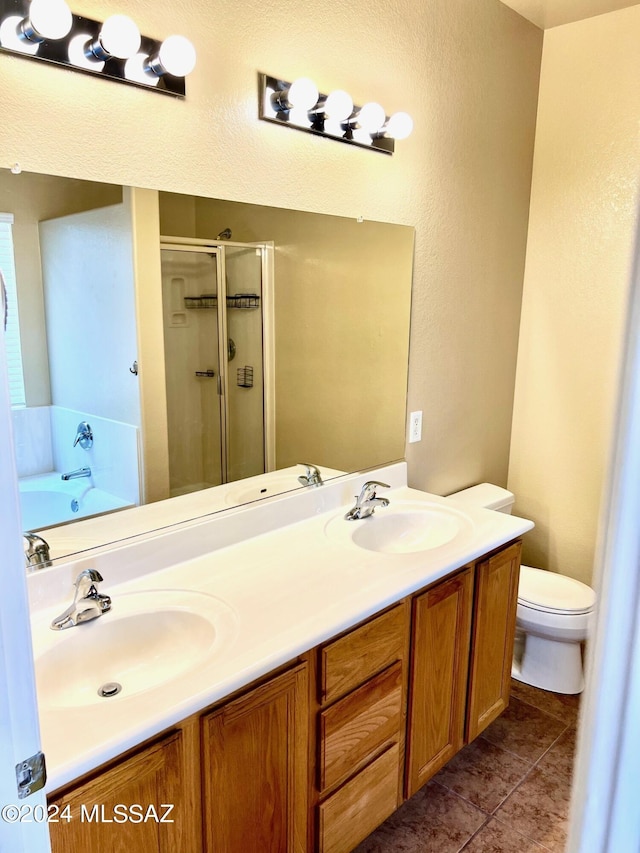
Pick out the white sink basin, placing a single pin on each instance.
(404, 527)
(146, 641)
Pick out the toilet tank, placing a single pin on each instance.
(486, 495)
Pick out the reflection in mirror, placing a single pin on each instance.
(204, 342)
(219, 393)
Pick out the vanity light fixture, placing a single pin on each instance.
(47, 29)
(299, 104)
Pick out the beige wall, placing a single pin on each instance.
(582, 225)
(31, 199)
(466, 71)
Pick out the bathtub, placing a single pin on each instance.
(46, 499)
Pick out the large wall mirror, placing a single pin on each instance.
(176, 355)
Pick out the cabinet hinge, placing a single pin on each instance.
(31, 775)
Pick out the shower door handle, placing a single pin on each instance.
(220, 388)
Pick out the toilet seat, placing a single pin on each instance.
(549, 592)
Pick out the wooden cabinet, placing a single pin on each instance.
(127, 807)
(494, 620)
(254, 753)
(441, 629)
(316, 757)
(361, 725)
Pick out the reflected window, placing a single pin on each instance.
(12, 337)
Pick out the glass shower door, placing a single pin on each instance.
(245, 371)
(195, 407)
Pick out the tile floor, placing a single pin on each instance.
(507, 792)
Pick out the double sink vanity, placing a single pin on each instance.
(281, 677)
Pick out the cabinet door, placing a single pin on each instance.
(255, 769)
(496, 602)
(102, 813)
(439, 666)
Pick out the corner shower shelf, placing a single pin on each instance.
(243, 301)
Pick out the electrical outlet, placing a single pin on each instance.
(415, 427)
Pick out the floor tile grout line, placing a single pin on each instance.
(521, 834)
(542, 710)
(517, 755)
(486, 823)
(513, 790)
(478, 830)
(550, 747)
(465, 800)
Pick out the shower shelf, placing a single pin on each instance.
(242, 301)
(206, 300)
(245, 377)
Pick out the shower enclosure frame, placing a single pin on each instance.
(266, 248)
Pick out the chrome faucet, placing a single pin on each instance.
(84, 436)
(367, 501)
(311, 477)
(87, 602)
(37, 553)
(75, 475)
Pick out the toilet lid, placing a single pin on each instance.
(554, 593)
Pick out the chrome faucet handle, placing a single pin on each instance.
(86, 590)
(368, 491)
(311, 477)
(85, 584)
(37, 554)
(84, 436)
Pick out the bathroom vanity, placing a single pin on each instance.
(349, 667)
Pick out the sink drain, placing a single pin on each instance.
(111, 688)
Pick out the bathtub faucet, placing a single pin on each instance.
(37, 553)
(75, 475)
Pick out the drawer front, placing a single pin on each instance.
(355, 658)
(361, 805)
(357, 726)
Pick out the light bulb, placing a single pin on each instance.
(119, 37)
(12, 37)
(177, 56)
(47, 19)
(371, 117)
(399, 126)
(135, 69)
(81, 56)
(339, 105)
(303, 94)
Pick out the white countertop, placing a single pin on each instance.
(294, 584)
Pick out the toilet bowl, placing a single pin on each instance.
(553, 616)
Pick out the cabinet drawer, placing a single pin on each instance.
(354, 811)
(355, 658)
(357, 726)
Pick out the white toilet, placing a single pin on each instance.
(553, 616)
